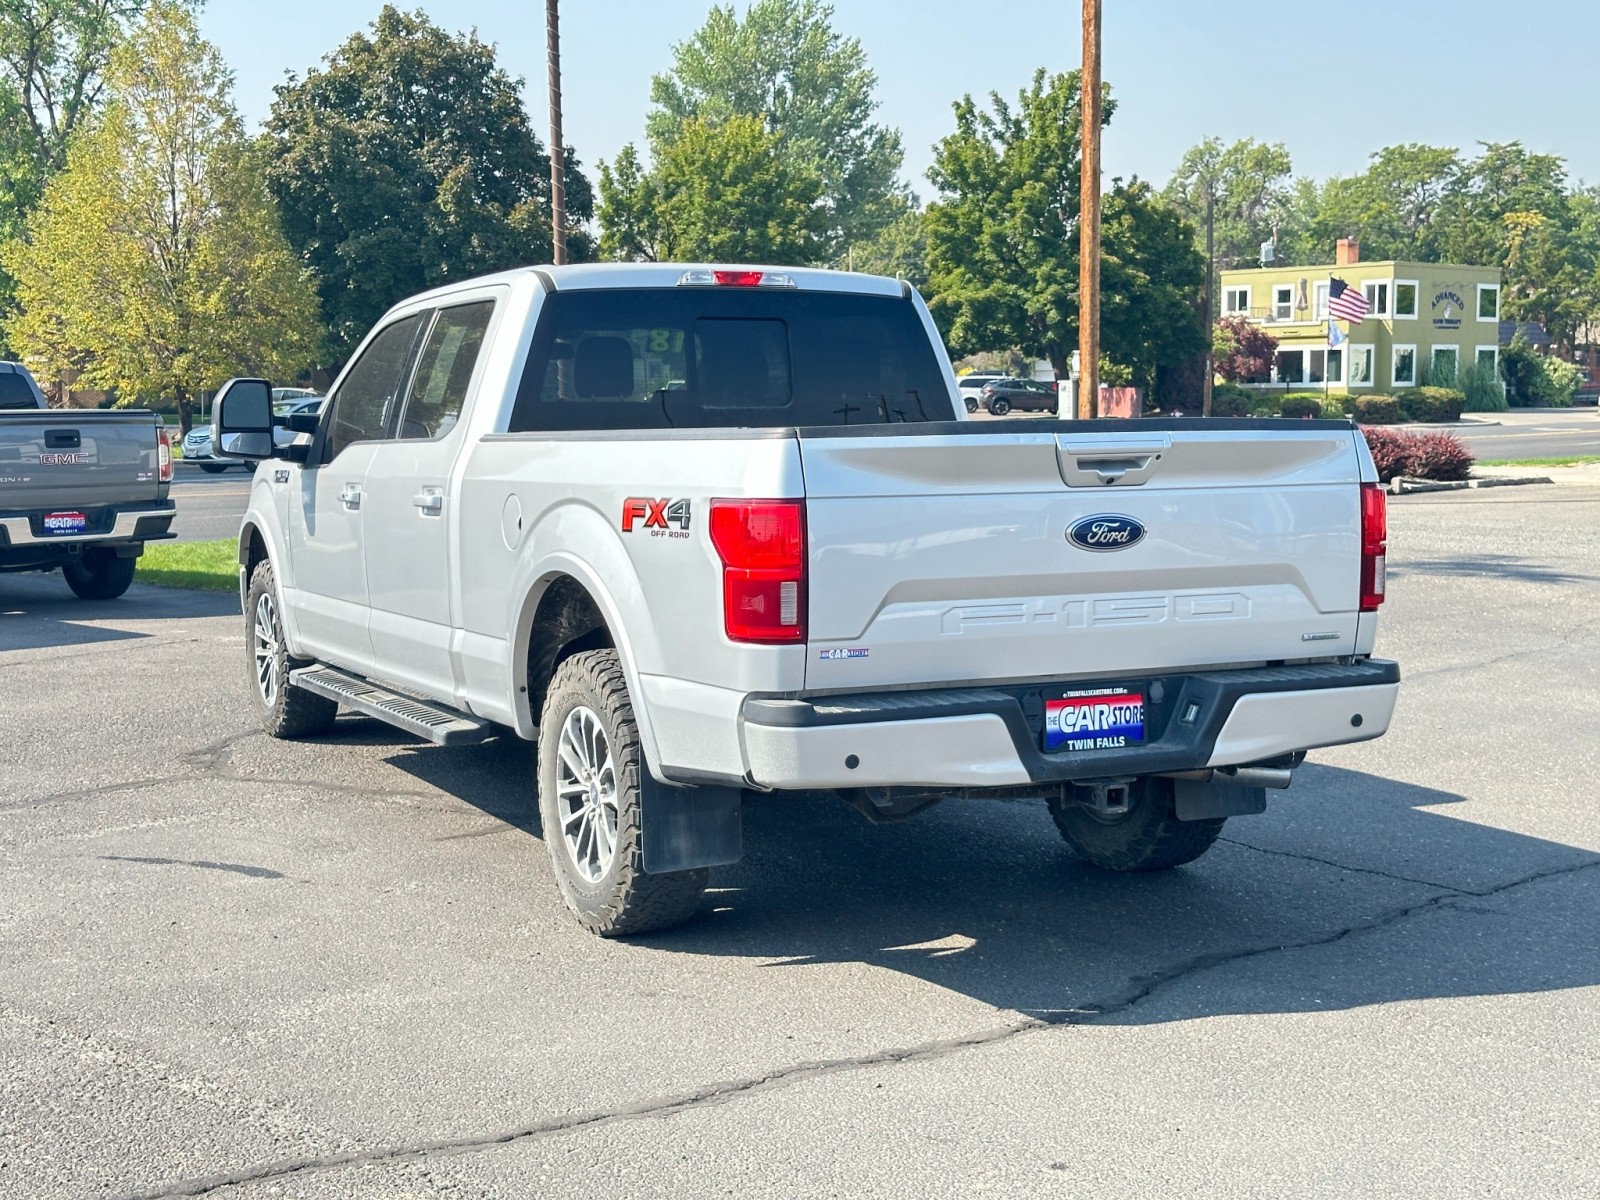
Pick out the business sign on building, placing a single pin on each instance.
(1448, 306)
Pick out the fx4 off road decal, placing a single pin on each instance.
(663, 518)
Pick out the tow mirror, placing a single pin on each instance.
(241, 419)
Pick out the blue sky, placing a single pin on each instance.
(1333, 81)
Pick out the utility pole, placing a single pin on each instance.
(1089, 218)
(1211, 271)
(558, 174)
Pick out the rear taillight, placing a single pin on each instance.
(163, 455)
(762, 544)
(1374, 545)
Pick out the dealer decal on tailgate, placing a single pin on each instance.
(1101, 719)
(65, 522)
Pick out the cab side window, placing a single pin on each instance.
(444, 370)
(372, 387)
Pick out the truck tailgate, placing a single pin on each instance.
(948, 556)
(64, 458)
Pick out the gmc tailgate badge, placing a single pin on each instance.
(1107, 531)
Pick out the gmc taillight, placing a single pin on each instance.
(1374, 545)
(163, 455)
(762, 544)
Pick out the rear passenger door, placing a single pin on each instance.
(410, 515)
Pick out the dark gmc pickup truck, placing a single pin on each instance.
(82, 491)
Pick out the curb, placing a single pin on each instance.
(1404, 486)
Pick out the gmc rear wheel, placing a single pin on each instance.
(99, 575)
(590, 767)
(1148, 837)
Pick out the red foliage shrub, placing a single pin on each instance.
(1439, 455)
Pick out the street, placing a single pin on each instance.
(340, 968)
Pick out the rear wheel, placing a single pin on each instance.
(286, 711)
(972, 405)
(1000, 406)
(590, 768)
(1148, 837)
(100, 575)
(212, 468)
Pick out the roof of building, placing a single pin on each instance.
(1534, 331)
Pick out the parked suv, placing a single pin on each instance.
(971, 386)
(1002, 395)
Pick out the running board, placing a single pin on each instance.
(432, 722)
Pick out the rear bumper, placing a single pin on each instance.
(21, 546)
(983, 737)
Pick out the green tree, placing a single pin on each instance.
(1395, 207)
(154, 263)
(899, 249)
(785, 65)
(1247, 185)
(53, 55)
(407, 161)
(722, 192)
(1002, 241)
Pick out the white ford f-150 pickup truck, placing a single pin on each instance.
(703, 531)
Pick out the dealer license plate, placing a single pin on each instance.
(58, 523)
(1098, 719)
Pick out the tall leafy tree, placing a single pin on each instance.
(785, 65)
(722, 192)
(1247, 185)
(154, 263)
(1002, 240)
(406, 161)
(53, 55)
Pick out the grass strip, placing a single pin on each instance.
(200, 566)
(1571, 460)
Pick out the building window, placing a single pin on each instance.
(1361, 361)
(1319, 302)
(1405, 366)
(1336, 365)
(1236, 301)
(1377, 295)
(1488, 302)
(1283, 302)
(1290, 366)
(1316, 365)
(1405, 299)
(1489, 356)
(1444, 366)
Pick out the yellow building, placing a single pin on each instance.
(1425, 321)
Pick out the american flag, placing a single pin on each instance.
(1345, 303)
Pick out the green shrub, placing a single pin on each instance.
(1482, 389)
(1230, 400)
(1565, 379)
(1337, 408)
(1378, 410)
(1262, 404)
(1432, 405)
(1301, 407)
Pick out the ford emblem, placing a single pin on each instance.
(1108, 531)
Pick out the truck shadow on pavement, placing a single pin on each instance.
(40, 612)
(1351, 890)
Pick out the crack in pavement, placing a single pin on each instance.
(720, 1093)
(1328, 862)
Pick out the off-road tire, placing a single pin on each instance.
(212, 468)
(999, 408)
(292, 712)
(100, 575)
(625, 900)
(1149, 838)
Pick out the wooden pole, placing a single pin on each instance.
(1211, 272)
(558, 174)
(1089, 219)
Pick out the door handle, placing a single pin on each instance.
(429, 501)
(350, 496)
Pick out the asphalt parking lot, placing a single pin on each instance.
(236, 967)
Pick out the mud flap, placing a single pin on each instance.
(1195, 801)
(688, 827)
